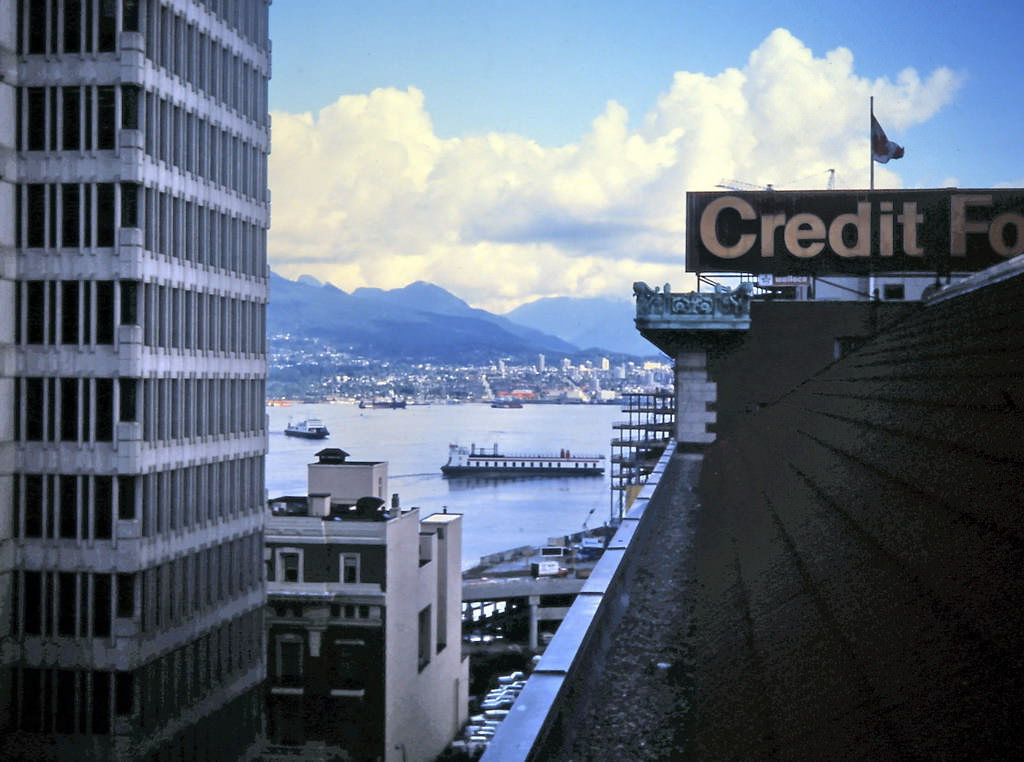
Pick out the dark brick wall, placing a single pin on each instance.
(860, 547)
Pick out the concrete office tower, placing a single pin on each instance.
(364, 618)
(133, 279)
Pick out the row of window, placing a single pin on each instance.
(181, 678)
(83, 118)
(84, 215)
(182, 409)
(190, 142)
(180, 47)
(69, 700)
(198, 496)
(76, 409)
(71, 506)
(84, 506)
(68, 26)
(68, 604)
(53, 27)
(67, 409)
(49, 700)
(345, 662)
(51, 215)
(70, 118)
(288, 565)
(176, 591)
(86, 312)
(246, 17)
(350, 611)
(180, 318)
(67, 312)
(206, 739)
(195, 233)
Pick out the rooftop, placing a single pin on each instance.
(838, 577)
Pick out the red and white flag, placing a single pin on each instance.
(883, 149)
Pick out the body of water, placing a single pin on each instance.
(497, 513)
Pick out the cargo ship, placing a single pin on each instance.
(386, 404)
(469, 461)
(311, 428)
(507, 403)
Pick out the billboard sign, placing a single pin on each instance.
(853, 232)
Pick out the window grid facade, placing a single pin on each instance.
(132, 297)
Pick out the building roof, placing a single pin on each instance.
(849, 583)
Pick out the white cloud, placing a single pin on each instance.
(366, 193)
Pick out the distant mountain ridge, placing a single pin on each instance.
(587, 322)
(424, 322)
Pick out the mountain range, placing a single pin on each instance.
(425, 323)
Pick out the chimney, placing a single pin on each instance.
(320, 504)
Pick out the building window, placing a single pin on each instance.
(289, 655)
(424, 638)
(350, 568)
(350, 665)
(289, 565)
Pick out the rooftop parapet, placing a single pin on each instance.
(674, 321)
(723, 309)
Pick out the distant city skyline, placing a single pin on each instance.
(508, 152)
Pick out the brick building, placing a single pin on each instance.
(364, 626)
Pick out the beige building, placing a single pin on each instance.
(133, 279)
(364, 603)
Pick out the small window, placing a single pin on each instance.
(130, 99)
(289, 566)
(289, 660)
(893, 291)
(424, 638)
(350, 568)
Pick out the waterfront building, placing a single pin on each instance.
(364, 600)
(133, 280)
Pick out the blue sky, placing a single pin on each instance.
(454, 94)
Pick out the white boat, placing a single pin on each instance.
(311, 428)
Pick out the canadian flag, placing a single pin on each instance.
(883, 149)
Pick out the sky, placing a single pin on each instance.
(509, 151)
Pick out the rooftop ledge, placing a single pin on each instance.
(581, 642)
(676, 321)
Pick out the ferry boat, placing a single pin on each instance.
(463, 461)
(311, 428)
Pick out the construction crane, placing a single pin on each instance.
(740, 185)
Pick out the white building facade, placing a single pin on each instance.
(364, 620)
(133, 282)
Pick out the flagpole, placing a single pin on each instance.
(871, 162)
(871, 155)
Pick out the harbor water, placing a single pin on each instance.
(498, 513)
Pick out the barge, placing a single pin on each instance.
(469, 461)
